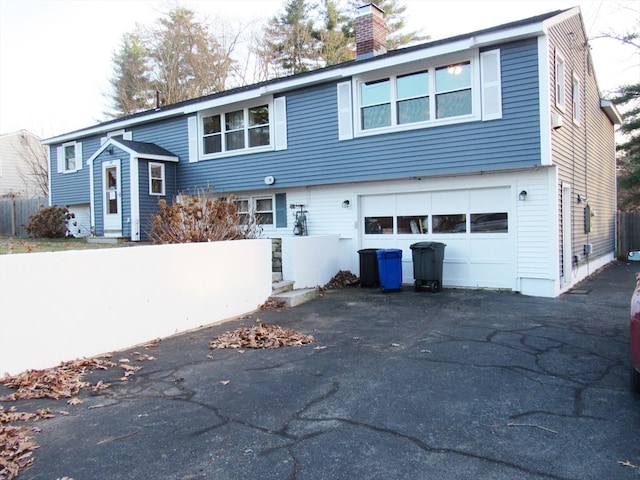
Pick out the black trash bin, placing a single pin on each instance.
(427, 265)
(369, 276)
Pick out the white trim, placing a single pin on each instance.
(491, 85)
(544, 83)
(280, 123)
(162, 178)
(192, 132)
(576, 103)
(345, 111)
(134, 192)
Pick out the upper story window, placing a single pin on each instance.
(560, 81)
(69, 157)
(575, 98)
(417, 97)
(235, 130)
(156, 179)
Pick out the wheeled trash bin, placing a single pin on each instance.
(390, 269)
(369, 276)
(427, 265)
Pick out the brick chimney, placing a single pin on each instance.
(371, 32)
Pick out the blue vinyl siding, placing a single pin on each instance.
(149, 203)
(71, 188)
(315, 156)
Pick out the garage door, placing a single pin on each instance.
(475, 225)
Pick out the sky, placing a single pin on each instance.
(55, 55)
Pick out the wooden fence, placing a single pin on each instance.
(15, 213)
(628, 233)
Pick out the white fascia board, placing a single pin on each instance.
(163, 158)
(612, 112)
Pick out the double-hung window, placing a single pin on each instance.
(236, 130)
(156, 179)
(261, 207)
(560, 79)
(417, 97)
(69, 157)
(575, 98)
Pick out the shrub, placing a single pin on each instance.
(50, 222)
(200, 218)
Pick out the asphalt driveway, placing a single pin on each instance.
(459, 384)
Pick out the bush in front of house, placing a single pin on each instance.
(200, 218)
(50, 222)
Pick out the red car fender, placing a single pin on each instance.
(634, 325)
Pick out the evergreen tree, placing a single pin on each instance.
(629, 160)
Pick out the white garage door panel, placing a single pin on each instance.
(450, 202)
(471, 259)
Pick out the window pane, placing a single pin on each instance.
(70, 157)
(156, 171)
(416, 110)
(489, 222)
(234, 120)
(259, 136)
(453, 77)
(264, 204)
(235, 140)
(375, 92)
(449, 223)
(242, 205)
(212, 144)
(414, 225)
(259, 116)
(375, 225)
(453, 104)
(211, 124)
(376, 117)
(156, 186)
(414, 85)
(265, 218)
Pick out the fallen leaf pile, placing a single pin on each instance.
(16, 447)
(62, 381)
(261, 336)
(270, 304)
(342, 279)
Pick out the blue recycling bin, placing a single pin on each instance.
(390, 269)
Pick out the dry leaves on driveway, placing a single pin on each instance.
(62, 381)
(261, 336)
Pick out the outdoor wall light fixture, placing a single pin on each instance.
(523, 195)
(582, 198)
(110, 150)
(346, 204)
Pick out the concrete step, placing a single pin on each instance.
(296, 297)
(276, 277)
(280, 287)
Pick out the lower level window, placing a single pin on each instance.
(262, 208)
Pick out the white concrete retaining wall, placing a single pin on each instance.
(310, 261)
(61, 306)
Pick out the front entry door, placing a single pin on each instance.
(112, 199)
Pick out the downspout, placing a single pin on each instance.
(92, 206)
(134, 192)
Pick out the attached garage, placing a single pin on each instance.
(476, 225)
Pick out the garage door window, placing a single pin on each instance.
(414, 225)
(489, 222)
(450, 223)
(378, 225)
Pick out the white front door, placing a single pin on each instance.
(112, 199)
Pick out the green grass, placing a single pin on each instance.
(32, 245)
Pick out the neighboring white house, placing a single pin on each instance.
(23, 165)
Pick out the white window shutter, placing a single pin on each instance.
(345, 115)
(491, 85)
(79, 156)
(280, 122)
(60, 159)
(192, 127)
